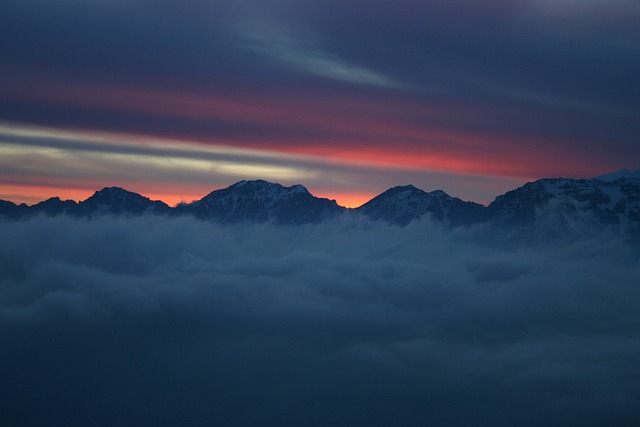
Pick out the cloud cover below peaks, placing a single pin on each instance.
(347, 323)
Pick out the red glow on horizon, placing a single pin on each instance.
(451, 160)
(359, 130)
(32, 194)
(346, 199)
(355, 132)
(173, 199)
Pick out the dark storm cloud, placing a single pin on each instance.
(164, 322)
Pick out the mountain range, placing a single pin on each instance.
(547, 207)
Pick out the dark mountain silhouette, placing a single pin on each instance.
(12, 211)
(262, 201)
(117, 201)
(546, 208)
(54, 206)
(403, 204)
(108, 201)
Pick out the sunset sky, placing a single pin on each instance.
(175, 99)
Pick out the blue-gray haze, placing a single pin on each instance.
(155, 321)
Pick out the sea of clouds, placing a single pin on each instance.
(173, 321)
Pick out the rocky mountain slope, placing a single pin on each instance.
(262, 201)
(569, 206)
(546, 208)
(401, 205)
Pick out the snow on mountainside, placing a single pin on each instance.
(403, 204)
(262, 201)
(571, 206)
(546, 208)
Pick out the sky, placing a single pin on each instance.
(349, 98)
(174, 321)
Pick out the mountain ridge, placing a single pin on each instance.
(403, 204)
(262, 201)
(546, 207)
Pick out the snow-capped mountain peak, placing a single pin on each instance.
(562, 206)
(263, 201)
(549, 207)
(404, 204)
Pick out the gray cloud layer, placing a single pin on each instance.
(153, 321)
